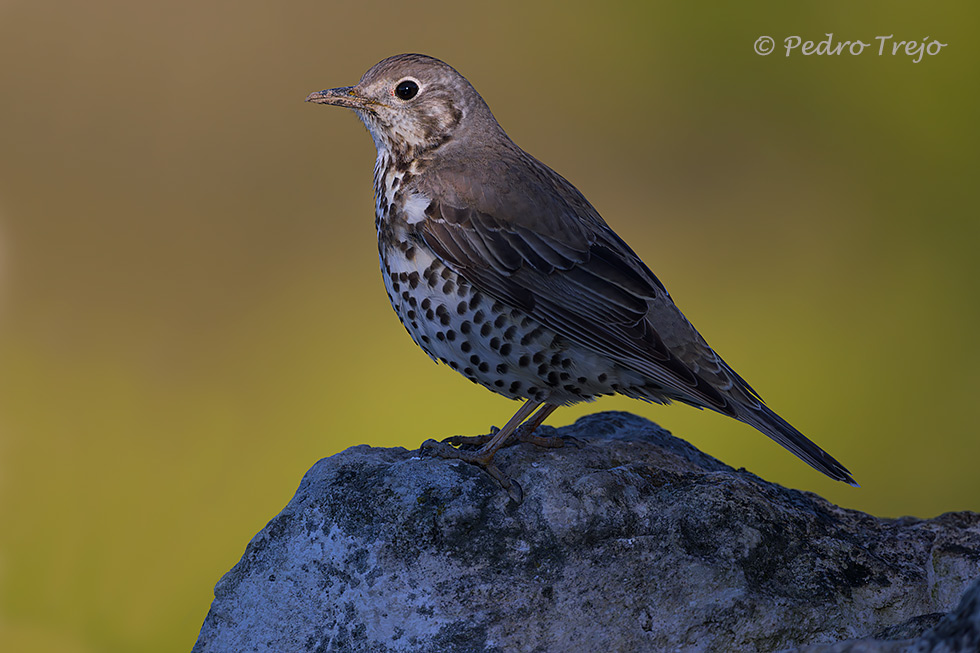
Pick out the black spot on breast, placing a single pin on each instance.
(478, 317)
(495, 343)
(515, 387)
(500, 321)
(505, 349)
(524, 360)
(502, 368)
(529, 336)
(465, 347)
(484, 367)
(443, 315)
(413, 278)
(486, 329)
(461, 308)
(465, 327)
(450, 335)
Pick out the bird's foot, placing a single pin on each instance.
(522, 434)
(472, 440)
(544, 441)
(480, 458)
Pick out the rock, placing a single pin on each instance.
(631, 541)
(956, 632)
(959, 631)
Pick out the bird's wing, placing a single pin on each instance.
(545, 251)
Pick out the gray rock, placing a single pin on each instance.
(959, 631)
(631, 541)
(956, 632)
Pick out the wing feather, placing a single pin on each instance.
(594, 294)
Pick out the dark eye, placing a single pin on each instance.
(406, 89)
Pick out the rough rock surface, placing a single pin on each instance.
(631, 541)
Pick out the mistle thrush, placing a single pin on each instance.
(501, 269)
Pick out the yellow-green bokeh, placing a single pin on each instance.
(191, 312)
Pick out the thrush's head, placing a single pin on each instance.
(412, 103)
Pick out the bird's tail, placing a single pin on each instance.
(782, 432)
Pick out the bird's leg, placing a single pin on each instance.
(525, 432)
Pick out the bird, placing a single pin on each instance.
(501, 269)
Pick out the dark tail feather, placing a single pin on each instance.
(780, 430)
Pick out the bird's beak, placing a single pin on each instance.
(345, 96)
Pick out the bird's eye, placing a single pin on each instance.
(406, 89)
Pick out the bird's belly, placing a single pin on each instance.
(489, 343)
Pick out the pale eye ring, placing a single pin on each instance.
(406, 89)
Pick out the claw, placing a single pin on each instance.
(440, 449)
(512, 487)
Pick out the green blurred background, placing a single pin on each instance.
(191, 312)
